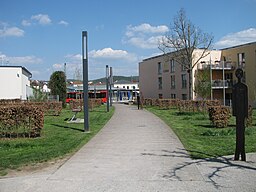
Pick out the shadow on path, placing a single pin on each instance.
(216, 165)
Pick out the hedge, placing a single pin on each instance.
(21, 120)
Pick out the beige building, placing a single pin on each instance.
(162, 77)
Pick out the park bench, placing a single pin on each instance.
(77, 110)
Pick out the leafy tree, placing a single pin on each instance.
(182, 40)
(57, 84)
(203, 83)
(38, 96)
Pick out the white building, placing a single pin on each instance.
(15, 82)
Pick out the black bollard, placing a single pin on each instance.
(138, 101)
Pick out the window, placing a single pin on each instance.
(172, 66)
(128, 87)
(183, 64)
(183, 67)
(159, 66)
(160, 83)
(173, 96)
(241, 60)
(133, 87)
(184, 96)
(241, 64)
(172, 81)
(160, 96)
(184, 81)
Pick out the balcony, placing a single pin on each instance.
(219, 84)
(217, 65)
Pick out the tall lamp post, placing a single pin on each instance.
(107, 88)
(110, 85)
(85, 79)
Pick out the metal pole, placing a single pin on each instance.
(224, 93)
(85, 80)
(94, 91)
(110, 85)
(107, 93)
(211, 77)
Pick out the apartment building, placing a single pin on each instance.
(162, 77)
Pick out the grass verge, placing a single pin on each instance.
(58, 139)
(202, 140)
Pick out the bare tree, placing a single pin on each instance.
(78, 74)
(182, 40)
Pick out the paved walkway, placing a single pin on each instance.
(136, 151)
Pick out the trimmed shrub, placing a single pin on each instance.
(219, 116)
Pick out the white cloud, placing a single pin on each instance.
(21, 60)
(238, 38)
(145, 28)
(57, 66)
(123, 62)
(41, 19)
(26, 22)
(11, 31)
(111, 54)
(65, 23)
(74, 57)
(145, 43)
(145, 36)
(108, 53)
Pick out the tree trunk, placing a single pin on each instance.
(190, 91)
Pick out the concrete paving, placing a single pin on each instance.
(136, 151)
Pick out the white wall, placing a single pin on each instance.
(13, 83)
(125, 85)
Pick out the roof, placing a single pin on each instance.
(124, 82)
(168, 53)
(246, 44)
(11, 66)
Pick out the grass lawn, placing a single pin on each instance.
(58, 139)
(202, 140)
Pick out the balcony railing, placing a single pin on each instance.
(228, 65)
(219, 84)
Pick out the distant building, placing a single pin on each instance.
(121, 90)
(15, 82)
(125, 90)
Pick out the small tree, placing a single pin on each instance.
(38, 96)
(78, 74)
(57, 84)
(203, 83)
(184, 37)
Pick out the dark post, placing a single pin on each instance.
(107, 82)
(138, 101)
(85, 80)
(110, 85)
(240, 110)
(94, 91)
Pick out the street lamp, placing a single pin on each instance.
(107, 88)
(85, 79)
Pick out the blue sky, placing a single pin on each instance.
(42, 35)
